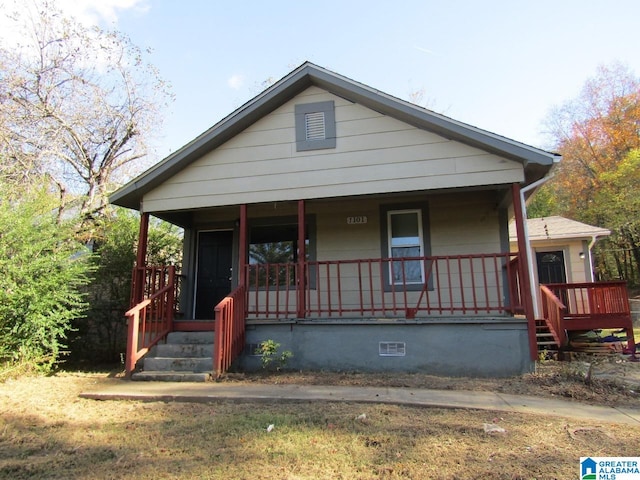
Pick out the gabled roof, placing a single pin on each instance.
(555, 228)
(537, 162)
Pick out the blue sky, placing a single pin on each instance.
(498, 65)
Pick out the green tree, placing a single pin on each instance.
(101, 335)
(44, 272)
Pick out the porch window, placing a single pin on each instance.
(406, 241)
(275, 249)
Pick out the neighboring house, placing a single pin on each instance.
(358, 230)
(561, 249)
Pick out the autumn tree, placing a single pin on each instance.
(598, 135)
(594, 133)
(77, 106)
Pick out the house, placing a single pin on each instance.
(359, 231)
(561, 248)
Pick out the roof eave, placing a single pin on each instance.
(536, 162)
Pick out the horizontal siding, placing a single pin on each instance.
(374, 154)
(464, 224)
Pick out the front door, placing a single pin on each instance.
(213, 280)
(551, 267)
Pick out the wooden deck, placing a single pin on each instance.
(571, 307)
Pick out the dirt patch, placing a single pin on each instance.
(611, 380)
(48, 432)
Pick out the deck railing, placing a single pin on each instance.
(553, 313)
(150, 320)
(590, 306)
(408, 287)
(229, 330)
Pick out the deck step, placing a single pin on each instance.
(544, 337)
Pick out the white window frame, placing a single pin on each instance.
(420, 244)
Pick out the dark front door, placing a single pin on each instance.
(213, 280)
(551, 267)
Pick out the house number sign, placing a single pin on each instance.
(357, 220)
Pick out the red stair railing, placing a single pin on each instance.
(229, 334)
(151, 319)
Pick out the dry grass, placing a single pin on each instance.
(47, 431)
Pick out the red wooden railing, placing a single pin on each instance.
(553, 313)
(589, 306)
(515, 285)
(229, 330)
(151, 319)
(461, 284)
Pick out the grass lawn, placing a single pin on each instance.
(47, 431)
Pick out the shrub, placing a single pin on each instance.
(43, 272)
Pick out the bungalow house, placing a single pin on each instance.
(359, 231)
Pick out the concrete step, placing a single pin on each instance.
(158, 376)
(183, 350)
(178, 364)
(190, 337)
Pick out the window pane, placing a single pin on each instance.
(404, 229)
(412, 268)
(271, 245)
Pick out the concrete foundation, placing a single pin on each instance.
(474, 346)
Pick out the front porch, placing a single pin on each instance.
(346, 319)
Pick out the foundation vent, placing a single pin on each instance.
(252, 349)
(392, 349)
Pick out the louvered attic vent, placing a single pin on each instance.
(314, 126)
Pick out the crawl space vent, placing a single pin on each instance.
(392, 349)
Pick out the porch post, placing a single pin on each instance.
(302, 256)
(523, 265)
(242, 247)
(141, 259)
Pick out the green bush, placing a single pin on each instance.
(101, 336)
(44, 271)
(272, 357)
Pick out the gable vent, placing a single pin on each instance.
(392, 349)
(314, 126)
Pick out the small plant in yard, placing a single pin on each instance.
(272, 357)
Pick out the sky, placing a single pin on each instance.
(498, 65)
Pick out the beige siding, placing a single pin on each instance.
(577, 269)
(466, 223)
(374, 154)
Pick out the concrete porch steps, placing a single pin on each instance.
(185, 357)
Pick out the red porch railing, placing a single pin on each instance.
(515, 286)
(229, 330)
(150, 320)
(588, 306)
(409, 287)
(553, 313)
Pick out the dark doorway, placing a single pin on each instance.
(551, 267)
(213, 280)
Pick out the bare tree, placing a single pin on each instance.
(77, 107)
